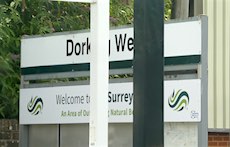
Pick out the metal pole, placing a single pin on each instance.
(99, 73)
(148, 73)
(203, 125)
(180, 9)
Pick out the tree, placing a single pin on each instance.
(9, 61)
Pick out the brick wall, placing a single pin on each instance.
(218, 139)
(9, 133)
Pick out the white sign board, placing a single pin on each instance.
(74, 48)
(70, 104)
(182, 101)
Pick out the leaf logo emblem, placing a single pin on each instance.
(178, 100)
(35, 105)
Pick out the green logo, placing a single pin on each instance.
(178, 100)
(35, 105)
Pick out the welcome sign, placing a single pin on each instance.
(70, 104)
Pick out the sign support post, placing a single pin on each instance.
(99, 74)
(148, 122)
(99, 71)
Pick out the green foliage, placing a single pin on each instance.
(121, 12)
(42, 16)
(10, 22)
(9, 87)
(168, 10)
(32, 17)
(9, 26)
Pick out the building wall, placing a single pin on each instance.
(9, 134)
(218, 139)
(218, 12)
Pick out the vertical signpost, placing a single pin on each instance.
(99, 67)
(148, 73)
(99, 73)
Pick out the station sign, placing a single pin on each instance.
(74, 47)
(70, 104)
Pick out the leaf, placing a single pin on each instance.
(12, 4)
